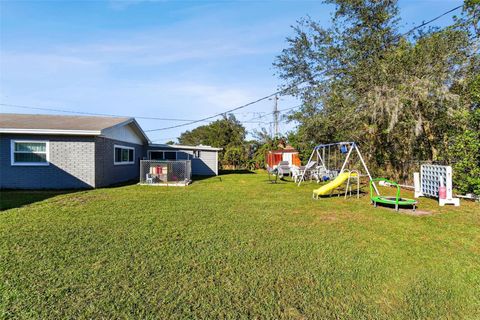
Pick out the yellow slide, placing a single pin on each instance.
(332, 185)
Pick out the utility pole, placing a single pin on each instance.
(275, 116)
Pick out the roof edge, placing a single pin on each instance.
(52, 131)
(141, 131)
(127, 122)
(179, 146)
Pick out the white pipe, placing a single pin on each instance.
(321, 159)
(346, 159)
(310, 159)
(366, 169)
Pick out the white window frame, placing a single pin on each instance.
(121, 163)
(12, 153)
(149, 152)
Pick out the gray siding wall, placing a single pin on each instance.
(106, 172)
(206, 165)
(72, 164)
(184, 155)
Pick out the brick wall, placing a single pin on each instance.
(71, 166)
(83, 162)
(106, 172)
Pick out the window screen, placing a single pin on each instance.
(24, 152)
(124, 155)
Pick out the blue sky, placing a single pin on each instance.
(172, 59)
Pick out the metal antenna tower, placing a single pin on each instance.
(276, 113)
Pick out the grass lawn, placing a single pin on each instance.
(235, 247)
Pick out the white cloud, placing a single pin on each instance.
(159, 47)
(179, 71)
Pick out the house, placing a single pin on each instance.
(70, 152)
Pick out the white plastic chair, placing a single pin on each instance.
(149, 178)
(296, 174)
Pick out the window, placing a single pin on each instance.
(156, 155)
(170, 155)
(196, 153)
(163, 155)
(124, 155)
(29, 153)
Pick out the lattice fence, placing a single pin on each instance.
(168, 173)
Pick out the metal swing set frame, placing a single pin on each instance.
(319, 153)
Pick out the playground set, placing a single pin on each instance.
(334, 163)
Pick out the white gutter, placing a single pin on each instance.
(178, 146)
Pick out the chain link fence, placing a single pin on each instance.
(167, 173)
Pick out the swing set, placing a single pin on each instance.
(325, 161)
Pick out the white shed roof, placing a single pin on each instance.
(183, 147)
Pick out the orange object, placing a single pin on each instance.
(296, 160)
(273, 157)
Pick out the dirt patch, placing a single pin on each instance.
(329, 217)
(417, 212)
(78, 199)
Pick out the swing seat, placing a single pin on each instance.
(396, 200)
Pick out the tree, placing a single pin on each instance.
(235, 156)
(226, 133)
(220, 133)
(263, 143)
(362, 80)
(464, 151)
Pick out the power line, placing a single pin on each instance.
(254, 122)
(225, 112)
(106, 114)
(430, 21)
(189, 121)
(398, 37)
(243, 122)
(89, 113)
(249, 112)
(280, 110)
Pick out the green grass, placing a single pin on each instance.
(15, 199)
(235, 248)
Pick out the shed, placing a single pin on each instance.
(289, 154)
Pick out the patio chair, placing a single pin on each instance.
(296, 173)
(307, 172)
(149, 178)
(283, 168)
